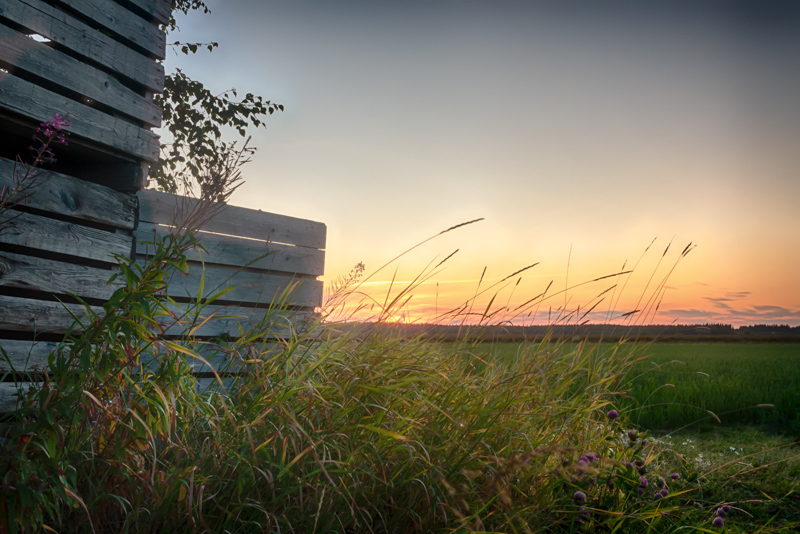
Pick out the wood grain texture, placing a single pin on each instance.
(64, 195)
(30, 100)
(34, 231)
(122, 22)
(161, 208)
(239, 252)
(8, 392)
(159, 10)
(26, 315)
(248, 288)
(48, 63)
(30, 273)
(25, 356)
(215, 320)
(73, 34)
(231, 358)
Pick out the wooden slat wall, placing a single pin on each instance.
(100, 67)
(276, 251)
(59, 244)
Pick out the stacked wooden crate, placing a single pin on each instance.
(97, 62)
(61, 247)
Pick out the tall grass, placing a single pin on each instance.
(328, 428)
(323, 427)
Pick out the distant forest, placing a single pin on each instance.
(601, 332)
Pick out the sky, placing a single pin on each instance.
(579, 131)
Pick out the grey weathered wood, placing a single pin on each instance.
(64, 195)
(230, 320)
(8, 392)
(233, 358)
(247, 287)
(25, 356)
(212, 385)
(239, 252)
(20, 96)
(160, 10)
(30, 273)
(69, 32)
(26, 315)
(161, 208)
(122, 22)
(48, 63)
(34, 231)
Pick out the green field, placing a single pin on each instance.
(729, 380)
(672, 385)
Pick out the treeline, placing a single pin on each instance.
(599, 332)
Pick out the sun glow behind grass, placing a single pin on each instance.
(444, 292)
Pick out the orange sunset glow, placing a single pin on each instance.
(591, 138)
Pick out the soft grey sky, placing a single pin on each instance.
(591, 125)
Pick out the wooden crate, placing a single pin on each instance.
(61, 242)
(95, 61)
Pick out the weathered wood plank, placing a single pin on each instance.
(25, 98)
(8, 392)
(230, 358)
(56, 277)
(239, 252)
(160, 10)
(122, 22)
(34, 231)
(248, 287)
(26, 315)
(161, 208)
(64, 195)
(25, 356)
(69, 32)
(230, 320)
(41, 60)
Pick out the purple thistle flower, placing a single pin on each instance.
(584, 459)
(726, 508)
(664, 492)
(632, 435)
(638, 463)
(579, 497)
(612, 414)
(674, 476)
(643, 482)
(642, 470)
(721, 512)
(646, 442)
(718, 522)
(591, 456)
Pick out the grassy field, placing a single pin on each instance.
(744, 456)
(673, 385)
(729, 380)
